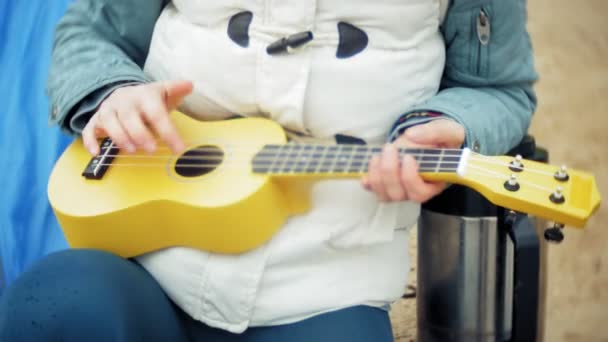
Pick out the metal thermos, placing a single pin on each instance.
(481, 268)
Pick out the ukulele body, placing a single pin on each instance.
(142, 203)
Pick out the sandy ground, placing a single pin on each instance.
(571, 43)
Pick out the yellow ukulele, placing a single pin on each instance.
(239, 180)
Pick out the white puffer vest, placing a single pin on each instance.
(367, 63)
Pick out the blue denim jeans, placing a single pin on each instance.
(88, 295)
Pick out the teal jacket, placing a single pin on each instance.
(487, 84)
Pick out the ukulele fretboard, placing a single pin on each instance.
(343, 159)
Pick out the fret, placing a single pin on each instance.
(292, 158)
(264, 160)
(350, 158)
(334, 158)
(282, 155)
(427, 167)
(287, 157)
(438, 166)
(314, 158)
(375, 150)
(360, 160)
(319, 155)
(328, 159)
(294, 162)
(262, 163)
(427, 162)
(301, 159)
(453, 153)
(449, 163)
(369, 153)
(276, 163)
(425, 154)
(341, 161)
(451, 159)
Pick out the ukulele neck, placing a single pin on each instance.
(353, 160)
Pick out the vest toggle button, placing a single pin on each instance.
(287, 44)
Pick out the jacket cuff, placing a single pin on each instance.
(411, 119)
(64, 107)
(79, 117)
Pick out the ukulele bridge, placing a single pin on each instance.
(98, 165)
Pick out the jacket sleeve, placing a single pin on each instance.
(98, 46)
(488, 79)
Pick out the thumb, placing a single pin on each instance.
(440, 132)
(175, 91)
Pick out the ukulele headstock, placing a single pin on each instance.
(554, 193)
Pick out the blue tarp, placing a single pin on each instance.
(28, 146)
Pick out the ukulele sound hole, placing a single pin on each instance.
(199, 161)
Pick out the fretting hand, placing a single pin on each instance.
(392, 180)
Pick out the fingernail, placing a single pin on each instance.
(130, 148)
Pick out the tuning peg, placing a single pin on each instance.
(557, 196)
(562, 174)
(516, 165)
(555, 234)
(511, 184)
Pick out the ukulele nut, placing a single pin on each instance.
(562, 174)
(511, 184)
(516, 165)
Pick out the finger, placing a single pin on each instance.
(417, 189)
(440, 133)
(89, 135)
(156, 115)
(404, 141)
(391, 180)
(422, 134)
(109, 121)
(175, 91)
(137, 130)
(375, 178)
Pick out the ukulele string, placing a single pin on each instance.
(300, 158)
(339, 154)
(471, 169)
(318, 168)
(484, 159)
(233, 164)
(369, 152)
(376, 150)
(229, 143)
(289, 146)
(310, 158)
(238, 164)
(489, 173)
